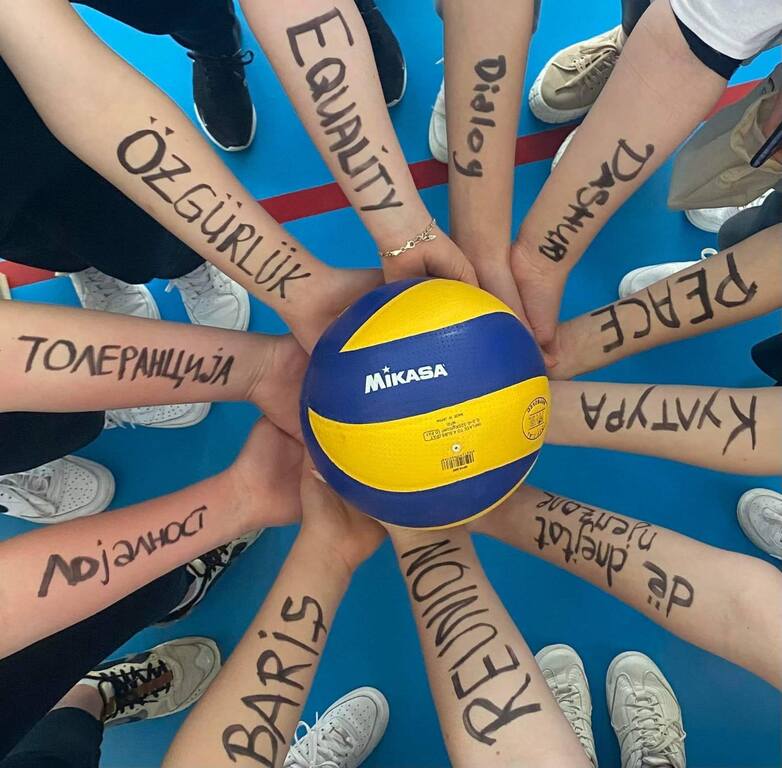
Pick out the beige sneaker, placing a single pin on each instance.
(572, 79)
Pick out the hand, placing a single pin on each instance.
(436, 258)
(265, 478)
(328, 521)
(276, 386)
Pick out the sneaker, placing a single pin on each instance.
(158, 416)
(563, 670)
(572, 79)
(760, 516)
(222, 99)
(155, 683)
(438, 131)
(645, 713)
(641, 278)
(212, 298)
(345, 735)
(390, 60)
(205, 571)
(562, 147)
(61, 490)
(712, 219)
(98, 291)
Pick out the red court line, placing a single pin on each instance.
(312, 201)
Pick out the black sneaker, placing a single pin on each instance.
(155, 683)
(388, 53)
(222, 99)
(205, 571)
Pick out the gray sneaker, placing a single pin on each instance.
(155, 683)
(563, 670)
(645, 713)
(760, 516)
(108, 294)
(572, 79)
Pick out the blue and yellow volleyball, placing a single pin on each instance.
(426, 403)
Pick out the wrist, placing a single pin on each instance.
(399, 226)
(234, 502)
(323, 556)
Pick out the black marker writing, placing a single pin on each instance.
(681, 593)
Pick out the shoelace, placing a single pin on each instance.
(655, 737)
(36, 483)
(218, 69)
(129, 684)
(324, 750)
(706, 252)
(592, 64)
(214, 560)
(566, 698)
(199, 282)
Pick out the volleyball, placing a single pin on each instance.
(425, 403)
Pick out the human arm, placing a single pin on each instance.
(485, 58)
(144, 145)
(252, 709)
(321, 53)
(658, 92)
(734, 286)
(494, 706)
(724, 602)
(54, 577)
(730, 430)
(64, 359)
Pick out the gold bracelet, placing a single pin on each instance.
(425, 237)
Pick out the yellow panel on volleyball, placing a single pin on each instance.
(444, 446)
(411, 312)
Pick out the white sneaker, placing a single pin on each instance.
(562, 147)
(98, 291)
(711, 219)
(61, 490)
(212, 298)
(645, 713)
(345, 735)
(158, 416)
(760, 516)
(643, 277)
(205, 571)
(161, 681)
(438, 130)
(563, 670)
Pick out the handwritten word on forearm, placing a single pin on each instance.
(490, 72)
(624, 166)
(119, 554)
(338, 113)
(277, 677)
(214, 216)
(720, 411)
(126, 362)
(439, 584)
(639, 315)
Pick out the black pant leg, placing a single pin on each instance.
(28, 440)
(768, 357)
(632, 10)
(65, 738)
(750, 221)
(34, 679)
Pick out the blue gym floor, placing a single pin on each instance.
(731, 717)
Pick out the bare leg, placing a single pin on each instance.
(721, 601)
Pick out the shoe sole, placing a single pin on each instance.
(154, 310)
(746, 498)
(216, 142)
(404, 85)
(692, 217)
(543, 111)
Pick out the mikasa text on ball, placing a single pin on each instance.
(425, 404)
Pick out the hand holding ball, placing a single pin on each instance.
(425, 404)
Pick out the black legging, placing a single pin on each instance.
(632, 10)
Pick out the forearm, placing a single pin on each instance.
(64, 359)
(658, 92)
(321, 53)
(485, 56)
(251, 711)
(721, 601)
(494, 706)
(56, 576)
(144, 145)
(734, 286)
(731, 430)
